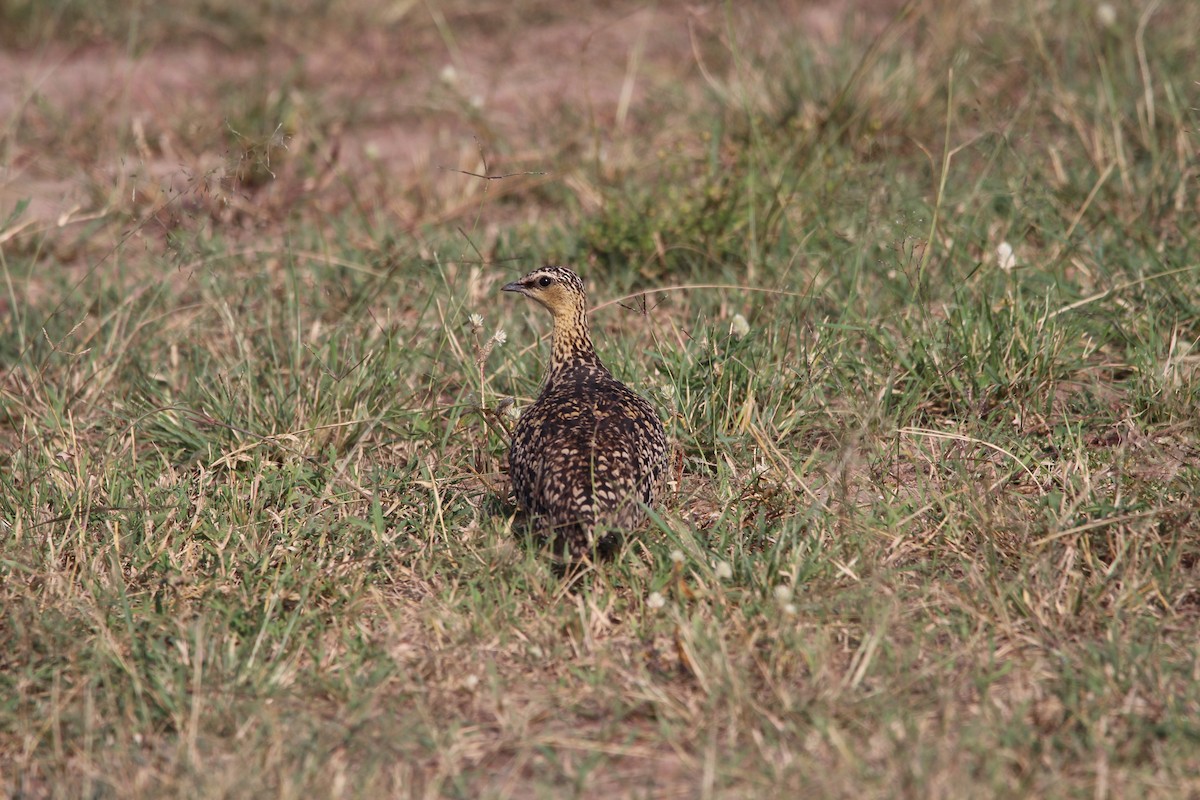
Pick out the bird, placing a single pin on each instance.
(588, 455)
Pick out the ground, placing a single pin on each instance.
(386, 109)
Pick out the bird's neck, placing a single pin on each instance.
(571, 345)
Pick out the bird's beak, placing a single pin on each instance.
(515, 286)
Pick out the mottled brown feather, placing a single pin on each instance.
(589, 450)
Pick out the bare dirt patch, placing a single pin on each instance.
(378, 118)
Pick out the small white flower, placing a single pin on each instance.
(723, 571)
(500, 337)
(1005, 257)
(789, 608)
(512, 412)
(476, 322)
(1106, 15)
(448, 75)
(656, 600)
(783, 593)
(677, 556)
(739, 327)
(471, 681)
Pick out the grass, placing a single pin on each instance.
(935, 532)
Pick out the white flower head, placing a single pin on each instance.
(738, 326)
(1106, 15)
(656, 600)
(476, 323)
(789, 608)
(783, 593)
(500, 337)
(471, 681)
(1005, 257)
(677, 556)
(723, 571)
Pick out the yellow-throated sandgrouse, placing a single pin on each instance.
(589, 450)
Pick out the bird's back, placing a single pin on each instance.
(583, 457)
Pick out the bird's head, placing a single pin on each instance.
(557, 288)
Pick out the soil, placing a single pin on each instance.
(379, 117)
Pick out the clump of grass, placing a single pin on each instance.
(698, 222)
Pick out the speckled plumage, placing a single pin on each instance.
(589, 449)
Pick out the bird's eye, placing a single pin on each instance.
(544, 281)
